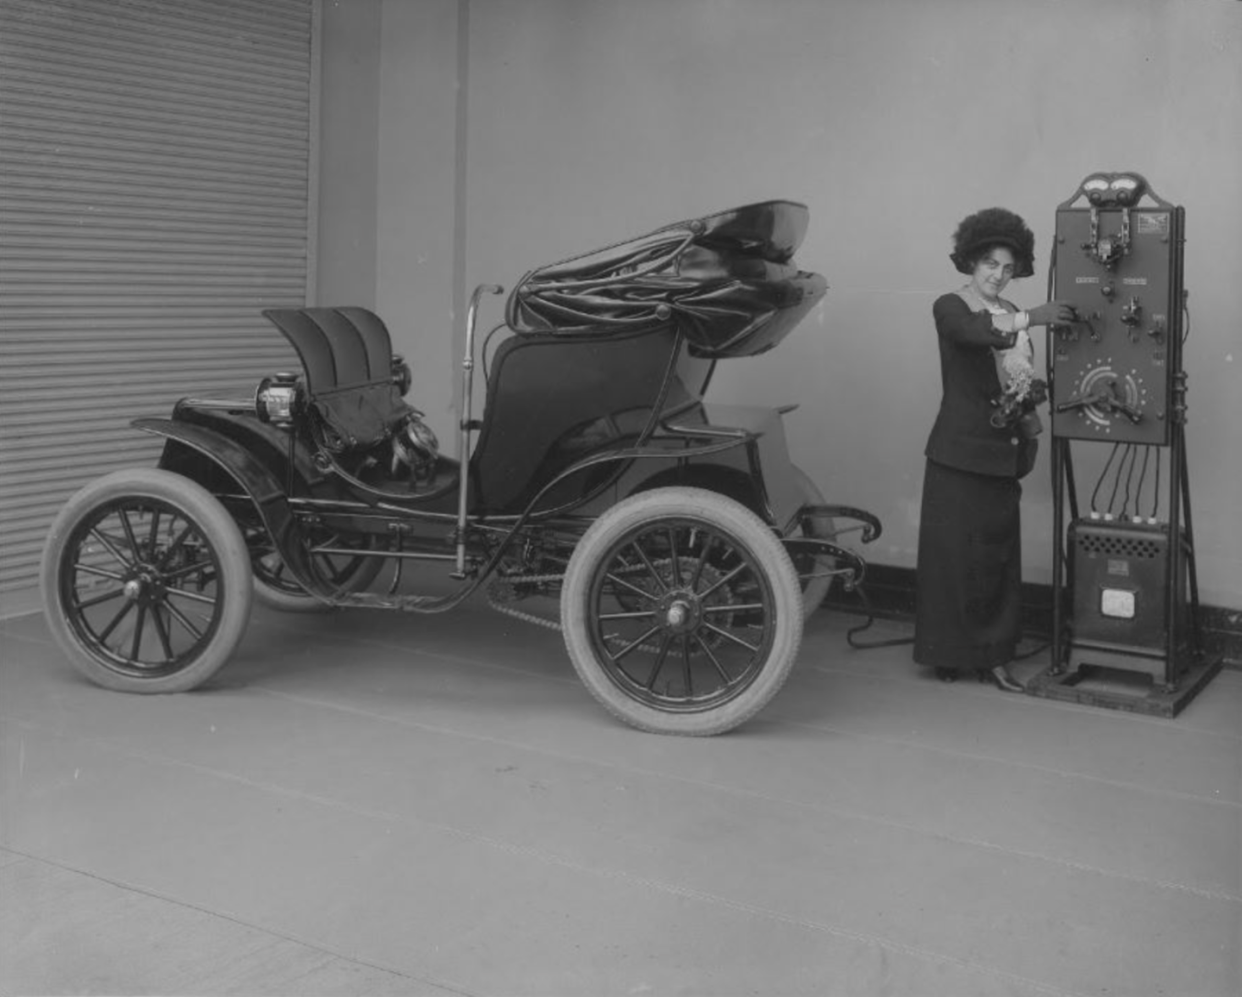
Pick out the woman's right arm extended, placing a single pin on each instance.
(981, 330)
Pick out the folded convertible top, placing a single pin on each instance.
(727, 280)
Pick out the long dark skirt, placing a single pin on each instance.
(969, 586)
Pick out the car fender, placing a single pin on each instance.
(217, 452)
(732, 482)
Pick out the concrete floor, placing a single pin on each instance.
(370, 803)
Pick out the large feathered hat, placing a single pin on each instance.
(993, 227)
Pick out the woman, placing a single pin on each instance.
(968, 610)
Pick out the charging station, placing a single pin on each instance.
(1125, 593)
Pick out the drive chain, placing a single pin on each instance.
(500, 604)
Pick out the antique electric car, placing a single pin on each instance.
(683, 545)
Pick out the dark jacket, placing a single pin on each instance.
(962, 437)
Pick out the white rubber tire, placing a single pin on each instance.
(217, 530)
(745, 531)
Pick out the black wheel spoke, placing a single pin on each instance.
(127, 526)
(639, 614)
(686, 667)
(178, 573)
(665, 642)
(723, 581)
(730, 636)
(184, 620)
(633, 644)
(110, 548)
(698, 568)
(154, 536)
(740, 607)
(101, 572)
(194, 596)
(642, 555)
(136, 646)
(711, 656)
(615, 579)
(674, 565)
(175, 545)
(102, 597)
(107, 631)
(162, 631)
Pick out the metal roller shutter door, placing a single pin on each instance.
(155, 176)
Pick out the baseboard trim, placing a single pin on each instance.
(890, 595)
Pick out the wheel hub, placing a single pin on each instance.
(144, 586)
(679, 612)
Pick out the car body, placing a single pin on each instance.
(682, 544)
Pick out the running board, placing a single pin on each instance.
(403, 603)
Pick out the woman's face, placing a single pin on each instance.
(993, 271)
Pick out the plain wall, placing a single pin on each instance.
(348, 152)
(418, 282)
(553, 127)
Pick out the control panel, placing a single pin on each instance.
(1115, 372)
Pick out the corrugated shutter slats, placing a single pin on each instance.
(154, 190)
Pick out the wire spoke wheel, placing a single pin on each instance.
(698, 632)
(682, 611)
(144, 582)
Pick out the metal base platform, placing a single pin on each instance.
(1117, 689)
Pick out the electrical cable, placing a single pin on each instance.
(899, 641)
(866, 645)
(1138, 497)
(866, 625)
(1033, 651)
(1125, 499)
(1100, 481)
(1112, 498)
(1155, 498)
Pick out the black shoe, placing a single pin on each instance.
(946, 674)
(1003, 680)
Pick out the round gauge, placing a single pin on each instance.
(1120, 387)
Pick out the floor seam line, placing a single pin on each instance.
(951, 752)
(1029, 766)
(749, 794)
(234, 919)
(663, 886)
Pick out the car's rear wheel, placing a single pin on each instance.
(146, 582)
(681, 611)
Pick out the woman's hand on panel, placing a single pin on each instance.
(1052, 313)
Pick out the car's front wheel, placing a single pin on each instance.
(682, 612)
(146, 582)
